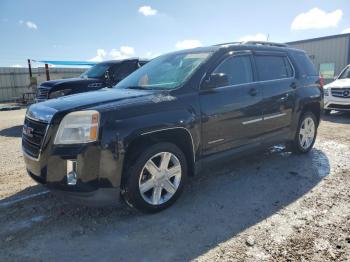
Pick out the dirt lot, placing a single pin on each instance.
(273, 206)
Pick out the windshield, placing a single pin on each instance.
(97, 71)
(345, 74)
(165, 72)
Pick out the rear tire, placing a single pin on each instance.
(156, 178)
(305, 136)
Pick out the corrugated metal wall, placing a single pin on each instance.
(15, 81)
(328, 50)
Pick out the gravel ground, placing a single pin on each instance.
(273, 206)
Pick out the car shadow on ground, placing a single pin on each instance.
(216, 205)
(14, 131)
(338, 117)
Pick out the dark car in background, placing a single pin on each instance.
(105, 74)
(167, 120)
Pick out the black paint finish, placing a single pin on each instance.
(206, 124)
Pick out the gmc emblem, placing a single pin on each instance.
(28, 131)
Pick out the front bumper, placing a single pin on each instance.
(98, 178)
(337, 103)
(97, 198)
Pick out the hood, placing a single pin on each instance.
(339, 83)
(90, 100)
(71, 82)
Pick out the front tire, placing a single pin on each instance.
(305, 136)
(156, 178)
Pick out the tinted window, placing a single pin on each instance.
(345, 73)
(305, 66)
(273, 67)
(120, 71)
(289, 68)
(97, 71)
(238, 69)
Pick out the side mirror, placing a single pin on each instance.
(108, 79)
(216, 80)
(107, 75)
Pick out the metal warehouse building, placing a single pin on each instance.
(330, 54)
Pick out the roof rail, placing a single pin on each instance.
(263, 43)
(254, 43)
(229, 43)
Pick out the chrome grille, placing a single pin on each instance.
(340, 107)
(341, 92)
(32, 141)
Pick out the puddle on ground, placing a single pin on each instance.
(320, 163)
(327, 156)
(330, 157)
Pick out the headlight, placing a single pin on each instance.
(326, 91)
(78, 128)
(60, 93)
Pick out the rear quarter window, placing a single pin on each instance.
(272, 67)
(304, 64)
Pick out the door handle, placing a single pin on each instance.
(293, 85)
(252, 92)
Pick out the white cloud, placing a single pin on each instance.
(189, 43)
(316, 18)
(146, 10)
(150, 55)
(257, 37)
(29, 24)
(122, 53)
(101, 53)
(116, 54)
(127, 50)
(346, 31)
(17, 65)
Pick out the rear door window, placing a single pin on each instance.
(237, 68)
(305, 66)
(272, 67)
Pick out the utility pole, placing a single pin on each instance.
(30, 69)
(47, 72)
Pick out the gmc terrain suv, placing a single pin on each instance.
(144, 137)
(105, 74)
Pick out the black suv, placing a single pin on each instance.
(144, 137)
(105, 74)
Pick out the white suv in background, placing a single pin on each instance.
(337, 93)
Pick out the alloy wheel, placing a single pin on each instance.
(307, 133)
(160, 178)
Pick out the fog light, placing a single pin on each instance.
(71, 172)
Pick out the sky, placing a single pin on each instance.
(103, 30)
